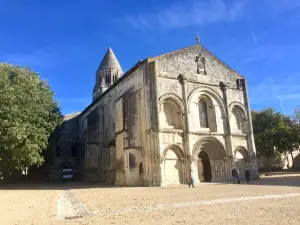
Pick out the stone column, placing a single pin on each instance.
(162, 166)
(120, 160)
(228, 129)
(250, 139)
(153, 153)
(186, 143)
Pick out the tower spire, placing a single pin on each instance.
(109, 61)
(107, 73)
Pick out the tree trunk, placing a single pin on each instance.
(293, 164)
(287, 160)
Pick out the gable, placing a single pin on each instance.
(183, 61)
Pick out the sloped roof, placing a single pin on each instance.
(110, 61)
(70, 116)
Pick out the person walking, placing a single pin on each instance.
(237, 175)
(233, 173)
(247, 175)
(191, 179)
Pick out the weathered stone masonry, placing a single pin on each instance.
(180, 111)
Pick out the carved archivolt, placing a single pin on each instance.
(171, 112)
(176, 148)
(202, 90)
(243, 151)
(238, 118)
(239, 105)
(172, 97)
(212, 146)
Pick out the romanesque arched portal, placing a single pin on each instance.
(203, 167)
(208, 162)
(240, 161)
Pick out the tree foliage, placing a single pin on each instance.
(274, 133)
(28, 115)
(265, 127)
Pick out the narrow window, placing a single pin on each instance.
(203, 114)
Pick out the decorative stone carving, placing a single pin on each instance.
(201, 67)
(171, 138)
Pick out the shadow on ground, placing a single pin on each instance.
(275, 179)
(292, 180)
(55, 186)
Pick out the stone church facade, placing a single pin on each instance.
(180, 111)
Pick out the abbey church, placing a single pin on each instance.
(168, 115)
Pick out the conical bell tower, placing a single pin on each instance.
(108, 72)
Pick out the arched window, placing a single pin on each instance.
(170, 115)
(108, 78)
(203, 115)
(237, 120)
(115, 78)
(103, 79)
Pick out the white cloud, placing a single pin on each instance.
(286, 92)
(279, 6)
(52, 56)
(36, 58)
(200, 12)
(187, 13)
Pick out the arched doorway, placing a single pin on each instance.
(241, 161)
(110, 164)
(172, 166)
(204, 167)
(65, 165)
(209, 160)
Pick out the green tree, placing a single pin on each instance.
(266, 124)
(288, 137)
(28, 115)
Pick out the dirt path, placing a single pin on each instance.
(271, 200)
(28, 206)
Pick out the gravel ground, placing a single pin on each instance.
(271, 200)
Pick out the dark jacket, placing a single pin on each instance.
(247, 173)
(233, 172)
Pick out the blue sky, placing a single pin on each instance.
(64, 41)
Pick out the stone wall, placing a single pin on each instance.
(169, 114)
(117, 135)
(65, 149)
(181, 84)
(283, 162)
